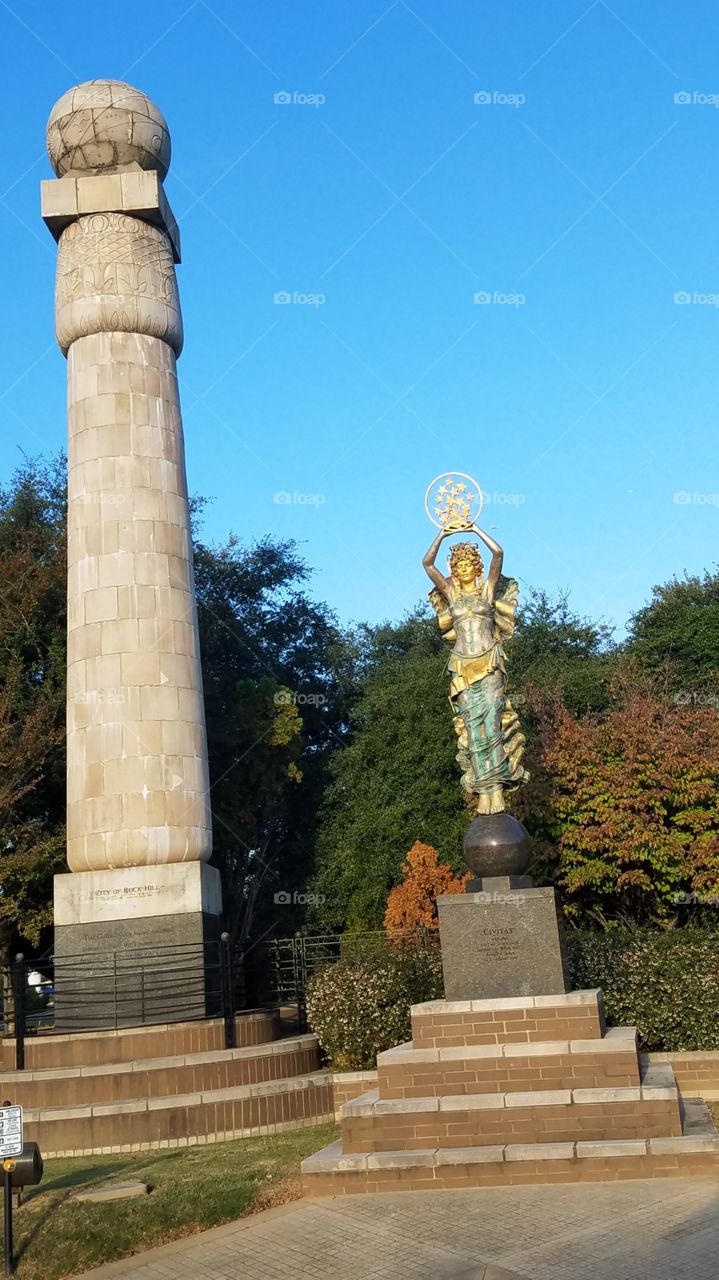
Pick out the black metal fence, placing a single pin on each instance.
(289, 964)
(66, 994)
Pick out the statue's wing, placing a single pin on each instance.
(505, 606)
(444, 617)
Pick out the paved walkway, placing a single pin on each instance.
(657, 1230)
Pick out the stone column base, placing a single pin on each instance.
(137, 946)
(501, 944)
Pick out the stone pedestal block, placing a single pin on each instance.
(136, 946)
(501, 944)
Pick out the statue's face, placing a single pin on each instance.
(465, 571)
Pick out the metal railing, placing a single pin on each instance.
(287, 965)
(147, 986)
(137, 987)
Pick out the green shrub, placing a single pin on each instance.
(666, 983)
(360, 1006)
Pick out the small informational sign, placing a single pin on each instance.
(11, 1143)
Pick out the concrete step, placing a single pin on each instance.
(332, 1172)
(610, 1062)
(216, 1115)
(372, 1123)
(47, 1051)
(162, 1077)
(697, 1119)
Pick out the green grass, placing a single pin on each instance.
(192, 1188)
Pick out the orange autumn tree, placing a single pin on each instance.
(413, 902)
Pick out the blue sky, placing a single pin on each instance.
(580, 189)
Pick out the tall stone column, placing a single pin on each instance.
(138, 821)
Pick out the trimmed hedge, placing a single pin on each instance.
(666, 983)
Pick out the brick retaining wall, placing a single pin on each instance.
(696, 1073)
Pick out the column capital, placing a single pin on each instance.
(137, 192)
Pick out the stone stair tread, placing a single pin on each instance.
(615, 1040)
(332, 1159)
(371, 1104)
(697, 1119)
(269, 1048)
(288, 1084)
(657, 1075)
(142, 1029)
(567, 999)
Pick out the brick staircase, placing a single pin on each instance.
(166, 1086)
(506, 1091)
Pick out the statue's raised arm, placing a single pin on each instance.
(428, 563)
(495, 568)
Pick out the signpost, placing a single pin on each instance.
(11, 1145)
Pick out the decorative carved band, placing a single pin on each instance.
(116, 273)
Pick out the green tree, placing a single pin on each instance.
(32, 699)
(560, 654)
(396, 781)
(677, 634)
(270, 696)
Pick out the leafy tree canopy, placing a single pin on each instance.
(624, 804)
(558, 652)
(396, 781)
(270, 696)
(677, 633)
(32, 698)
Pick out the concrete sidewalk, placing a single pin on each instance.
(655, 1230)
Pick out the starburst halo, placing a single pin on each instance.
(453, 501)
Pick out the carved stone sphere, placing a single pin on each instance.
(104, 125)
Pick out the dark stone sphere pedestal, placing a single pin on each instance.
(502, 937)
(497, 846)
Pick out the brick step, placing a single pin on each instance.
(612, 1062)
(576, 1015)
(47, 1051)
(372, 1124)
(331, 1172)
(162, 1077)
(215, 1115)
